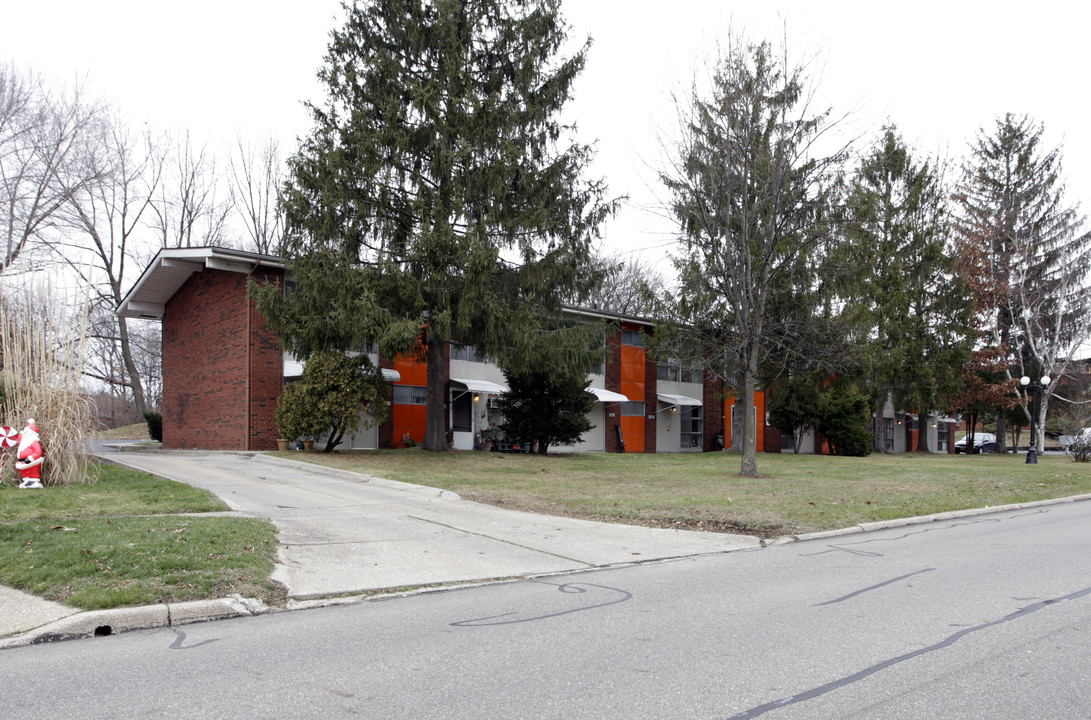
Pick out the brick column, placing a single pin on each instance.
(651, 404)
(612, 411)
(713, 411)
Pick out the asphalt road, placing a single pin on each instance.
(985, 617)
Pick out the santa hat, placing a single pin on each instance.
(29, 436)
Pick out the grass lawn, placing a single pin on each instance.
(796, 493)
(122, 541)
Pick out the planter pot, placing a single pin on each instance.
(308, 445)
(486, 446)
(282, 444)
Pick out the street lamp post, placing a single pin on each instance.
(1036, 389)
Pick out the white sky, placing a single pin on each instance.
(939, 70)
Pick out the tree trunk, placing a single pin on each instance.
(1001, 431)
(749, 466)
(1040, 429)
(736, 425)
(922, 433)
(135, 385)
(435, 428)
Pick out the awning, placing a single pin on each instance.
(603, 395)
(678, 399)
(479, 386)
(294, 368)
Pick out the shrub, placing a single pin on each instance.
(549, 408)
(331, 397)
(1081, 448)
(794, 407)
(155, 425)
(843, 418)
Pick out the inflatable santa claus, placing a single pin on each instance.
(29, 459)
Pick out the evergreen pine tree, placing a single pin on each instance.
(547, 401)
(437, 192)
(903, 285)
(1035, 254)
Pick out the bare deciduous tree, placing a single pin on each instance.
(750, 193)
(257, 173)
(625, 287)
(189, 207)
(104, 233)
(45, 157)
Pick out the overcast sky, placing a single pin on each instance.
(939, 70)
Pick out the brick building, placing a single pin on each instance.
(223, 370)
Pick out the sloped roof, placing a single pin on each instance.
(170, 269)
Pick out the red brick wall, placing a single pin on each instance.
(214, 341)
(266, 373)
(612, 411)
(651, 384)
(713, 408)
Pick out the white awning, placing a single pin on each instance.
(602, 395)
(678, 399)
(294, 368)
(480, 386)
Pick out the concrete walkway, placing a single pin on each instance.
(342, 534)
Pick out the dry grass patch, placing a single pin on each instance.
(703, 491)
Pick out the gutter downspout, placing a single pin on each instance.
(249, 364)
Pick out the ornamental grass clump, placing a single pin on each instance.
(43, 339)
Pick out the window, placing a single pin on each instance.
(467, 353)
(692, 425)
(942, 436)
(888, 434)
(632, 409)
(410, 395)
(632, 337)
(677, 373)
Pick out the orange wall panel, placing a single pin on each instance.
(759, 404)
(413, 372)
(632, 374)
(632, 432)
(409, 419)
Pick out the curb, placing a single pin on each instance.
(97, 623)
(923, 519)
(100, 623)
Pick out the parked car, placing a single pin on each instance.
(983, 443)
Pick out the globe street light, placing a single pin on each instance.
(1036, 389)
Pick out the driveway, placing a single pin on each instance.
(343, 533)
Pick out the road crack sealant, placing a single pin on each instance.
(867, 672)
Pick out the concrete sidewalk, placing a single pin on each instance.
(342, 534)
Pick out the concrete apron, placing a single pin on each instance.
(343, 533)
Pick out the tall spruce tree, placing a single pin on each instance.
(751, 196)
(903, 286)
(1034, 252)
(438, 191)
